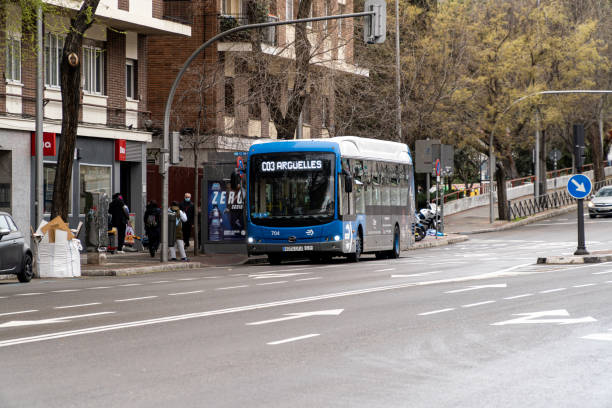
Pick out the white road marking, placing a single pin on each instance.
(81, 305)
(385, 270)
(209, 277)
(99, 287)
(436, 311)
(599, 336)
(185, 293)
(138, 298)
(66, 290)
(307, 279)
(161, 282)
(187, 279)
(479, 303)
(292, 316)
(28, 294)
(14, 313)
(270, 283)
(238, 274)
(469, 288)
(518, 296)
(536, 317)
(232, 287)
(131, 284)
(415, 274)
(602, 273)
(277, 275)
(585, 285)
(553, 290)
(274, 343)
(20, 323)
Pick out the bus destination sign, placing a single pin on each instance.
(295, 165)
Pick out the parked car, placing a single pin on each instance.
(15, 254)
(601, 203)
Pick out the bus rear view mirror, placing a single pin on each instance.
(348, 183)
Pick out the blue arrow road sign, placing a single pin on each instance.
(579, 186)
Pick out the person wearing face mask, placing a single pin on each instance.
(187, 207)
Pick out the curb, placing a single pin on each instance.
(439, 242)
(140, 270)
(530, 220)
(569, 260)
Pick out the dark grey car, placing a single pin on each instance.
(15, 254)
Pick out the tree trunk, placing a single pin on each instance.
(71, 96)
(502, 193)
(195, 198)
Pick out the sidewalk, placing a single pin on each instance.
(136, 263)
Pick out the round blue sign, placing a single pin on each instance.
(579, 186)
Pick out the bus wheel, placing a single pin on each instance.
(274, 259)
(395, 252)
(354, 257)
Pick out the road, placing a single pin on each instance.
(477, 324)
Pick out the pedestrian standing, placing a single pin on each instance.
(152, 221)
(181, 217)
(187, 207)
(120, 217)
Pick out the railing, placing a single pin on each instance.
(227, 22)
(560, 198)
(532, 206)
(484, 187)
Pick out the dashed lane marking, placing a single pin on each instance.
(486, 302)
(307, 336)
(232, 287)
(28, 294)
(519, 296)
(584, 285)
(307, 279)
(66, 290)
(552, 290)
(99, 287)
(133, 299)
(81, 305)
(437, 311)
(131, 284)
(271, 283)
(160, 282)
(185, 293)
(14, 313)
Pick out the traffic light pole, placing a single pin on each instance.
(164, 164)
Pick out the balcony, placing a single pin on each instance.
(227, 22)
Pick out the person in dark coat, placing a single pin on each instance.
(187, 207)
(152, 222)
(120, 217)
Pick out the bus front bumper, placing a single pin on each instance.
(296, 248)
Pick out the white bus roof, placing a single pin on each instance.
(356, 147)
(372, 149)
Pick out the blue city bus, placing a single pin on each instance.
(341, 196)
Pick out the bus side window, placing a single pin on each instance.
(375, 184)
(367, 182)
(386, 184)
(358, 189)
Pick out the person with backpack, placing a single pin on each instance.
(181, 217)
(152, 221)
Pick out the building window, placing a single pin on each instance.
(93, 70)
(5, 195)
(289, 8)
(130, 79)
(13, 60)
(48, 187)
(93, 179)
(54, 45)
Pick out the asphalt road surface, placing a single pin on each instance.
(477, 324)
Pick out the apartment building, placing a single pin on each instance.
(114, 117)
(225, 97)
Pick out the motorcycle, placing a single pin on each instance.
(429, 216)
(419, 230)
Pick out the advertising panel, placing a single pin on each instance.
(225, 212)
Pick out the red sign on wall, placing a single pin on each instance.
(49, 147)
(120, 149)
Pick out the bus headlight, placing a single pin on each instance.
(250, 240)
(337, 238)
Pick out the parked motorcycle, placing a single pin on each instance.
(429, 216)
(419, 229)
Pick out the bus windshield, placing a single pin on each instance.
(292, 189)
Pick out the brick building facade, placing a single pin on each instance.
(114, 109)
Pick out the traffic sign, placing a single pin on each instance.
(579, 186)
(438, 167)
